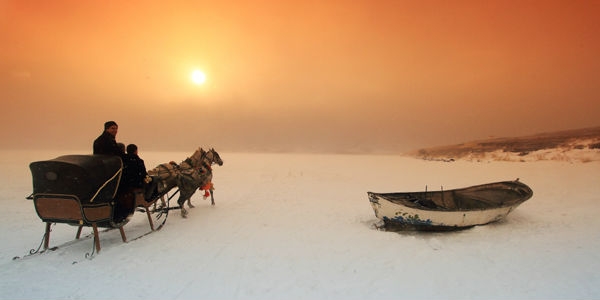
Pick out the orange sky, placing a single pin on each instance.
(295, 75)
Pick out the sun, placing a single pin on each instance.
(198, 77)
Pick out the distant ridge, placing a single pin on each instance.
(569, 145)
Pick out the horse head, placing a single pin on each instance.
(210, 157)
(214, 157)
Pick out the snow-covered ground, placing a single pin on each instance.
(299, 226)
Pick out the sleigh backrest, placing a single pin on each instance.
(90, 178)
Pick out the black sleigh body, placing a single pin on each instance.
(81, 190)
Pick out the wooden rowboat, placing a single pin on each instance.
(449, 209)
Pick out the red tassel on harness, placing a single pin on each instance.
(207, 187)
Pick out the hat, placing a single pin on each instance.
(109, 123)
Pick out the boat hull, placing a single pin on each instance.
(447, 210)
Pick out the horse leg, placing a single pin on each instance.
(181, 202)
(184, 212)
(212, 198)
(162, 200)
(184, 195)
(189, 202)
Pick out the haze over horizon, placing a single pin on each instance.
(295, 76)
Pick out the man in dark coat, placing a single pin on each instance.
(106, 143)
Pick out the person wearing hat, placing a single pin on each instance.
(106, 143)
(135, 174)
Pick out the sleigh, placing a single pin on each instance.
(84, 191)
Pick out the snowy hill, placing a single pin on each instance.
(580, 145)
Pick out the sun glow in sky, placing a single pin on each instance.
(316, 75)
(198, 77)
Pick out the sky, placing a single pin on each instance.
(342, 76)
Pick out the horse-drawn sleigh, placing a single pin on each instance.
(86, 191)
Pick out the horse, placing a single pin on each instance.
(196, 173)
